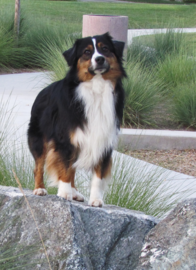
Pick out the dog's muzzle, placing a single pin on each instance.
(99, 65)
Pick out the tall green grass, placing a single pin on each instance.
(173, 65)
(142, 95)
(184, 104)
(177, 69)
(150, 50)
(12, 53)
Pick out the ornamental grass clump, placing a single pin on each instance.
(184, 104)
(12, 53)
(45, 41)
(177, 69)
(151, 50)
(142, 95)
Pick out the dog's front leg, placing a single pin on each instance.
(101, 177)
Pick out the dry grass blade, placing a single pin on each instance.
(21, 189)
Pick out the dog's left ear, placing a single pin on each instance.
(119, 47)
(70, 55)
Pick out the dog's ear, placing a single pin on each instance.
(70, 55)
(119, 47)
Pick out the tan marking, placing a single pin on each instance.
(89, 47)
(83, 73)
(107, 171)
(114, 72)
(39, 169)
(100, 44)
(55, 165)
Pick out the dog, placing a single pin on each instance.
(75, 122)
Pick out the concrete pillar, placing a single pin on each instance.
(117, 26)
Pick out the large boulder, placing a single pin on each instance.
(75, 235)
(171, 245)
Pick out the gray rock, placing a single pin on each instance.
(172, 243)
(75, 235)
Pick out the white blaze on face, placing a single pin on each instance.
(95, 55)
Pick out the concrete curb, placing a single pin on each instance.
(136, 139)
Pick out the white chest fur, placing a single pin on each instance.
(100, 133)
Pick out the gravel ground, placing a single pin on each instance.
(182, 161)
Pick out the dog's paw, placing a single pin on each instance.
(65, 190)
(77, 196)
(65, 195)
(40, 192)
(96, 203)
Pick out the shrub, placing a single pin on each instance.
(142, 94)
(150, 50)
(51, 58)
(144, 55)
(12, 54)
(41, 38)
(169, 43)
(177, 69)
(184, 100)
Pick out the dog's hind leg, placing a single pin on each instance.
(38, 150)
(62, 176)
(38, 174)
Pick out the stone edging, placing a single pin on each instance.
(136, 139)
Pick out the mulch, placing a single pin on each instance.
(182, 161)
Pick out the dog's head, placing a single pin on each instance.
(96, 55)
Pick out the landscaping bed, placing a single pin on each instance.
(182, 161)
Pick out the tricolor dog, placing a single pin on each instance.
(75, 122)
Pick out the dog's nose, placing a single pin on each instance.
(100, 60)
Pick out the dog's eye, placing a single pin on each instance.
(105, 49)
(87, 52)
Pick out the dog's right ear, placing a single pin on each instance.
(70, 55)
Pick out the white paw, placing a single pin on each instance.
(65, 195)
(65, 190)
(40, 192)
(77, 195)
(96, 203)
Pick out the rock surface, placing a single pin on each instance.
(75, 235)
(171, 245)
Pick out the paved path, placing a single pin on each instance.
(142, 32)
(20, 90)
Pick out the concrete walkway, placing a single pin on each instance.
(18, 91)
(142, 32)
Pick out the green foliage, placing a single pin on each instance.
(177, 69)
(184, 100)
(42, 39)
(142, 95)
(149, 51)
(12, 54)
(17, 257)
(50, 57)
(144, 55)
(169, 43)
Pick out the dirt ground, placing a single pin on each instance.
(182, 161)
